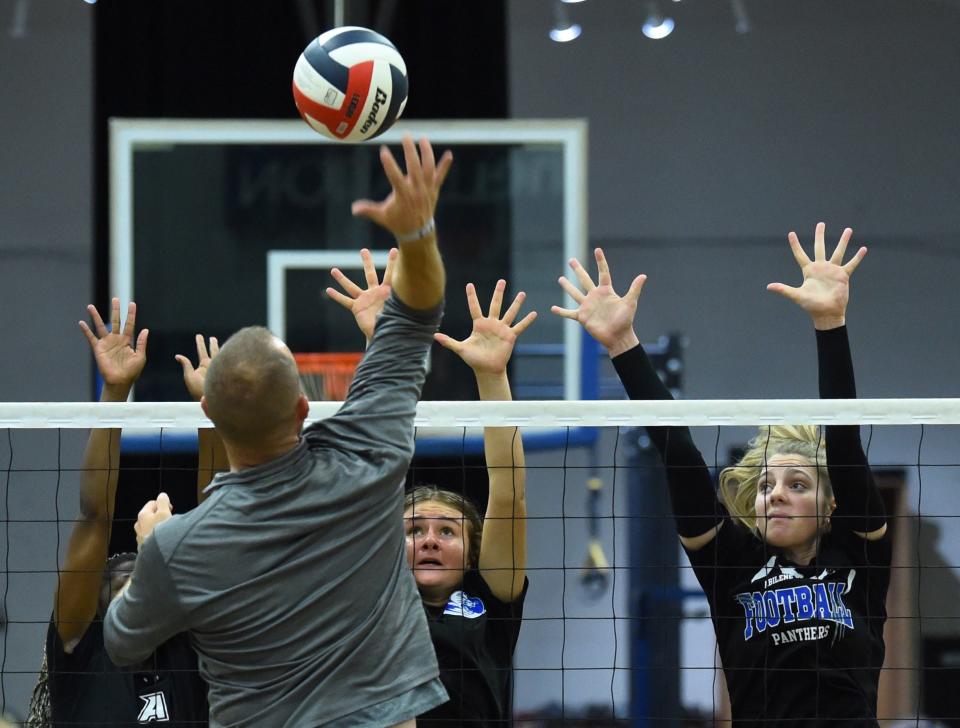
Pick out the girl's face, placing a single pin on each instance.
(791, 505)
(437, 547)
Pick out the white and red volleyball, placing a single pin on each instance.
(350, 84)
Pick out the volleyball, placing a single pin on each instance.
(350, 84)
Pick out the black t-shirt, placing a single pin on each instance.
(87, 689)
(474, 635)
(798, 642)
(815, 647)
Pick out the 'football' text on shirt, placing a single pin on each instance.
(822, 601)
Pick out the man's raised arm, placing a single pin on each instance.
(407, 212)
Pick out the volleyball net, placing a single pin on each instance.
(616, 628)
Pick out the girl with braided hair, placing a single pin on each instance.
(78, 684)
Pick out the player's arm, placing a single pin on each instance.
(408, 213)
(119, 360)
(211, 454)
(381, 403)
(824, 295)
(503, 548)
(608, 317)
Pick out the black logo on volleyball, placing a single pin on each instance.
(353, 105)
(378, 100)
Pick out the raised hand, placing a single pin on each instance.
(365, 304)
(825, 290)
(413, 197)
(194, 377)
(606, 316)
(119, 359)
(489, 346)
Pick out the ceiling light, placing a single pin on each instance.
(564, 35)
(18, 23)
(741, 20)
(563, 30)
(657, 25)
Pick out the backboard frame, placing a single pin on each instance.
(129, 135)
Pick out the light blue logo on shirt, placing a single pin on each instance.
(463, 605)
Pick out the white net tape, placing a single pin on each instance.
(529, 413)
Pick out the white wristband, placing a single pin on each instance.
(417, 234)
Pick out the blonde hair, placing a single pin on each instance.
(739, 483)
(471, 516)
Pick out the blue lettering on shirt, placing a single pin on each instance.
(804, 599)
(787, 598)
(821, 601)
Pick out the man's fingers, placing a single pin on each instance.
(412, 160)
(345, 283)
(472, 303)
(164, 504)
(427, 160)
(391, 168)
(797, 250)
(571, 289)
(369, 209)
(514, 309)
(851, 266)
(442, 169)
(841, 249)
(149, 508)
(524, 323)
(214, 346)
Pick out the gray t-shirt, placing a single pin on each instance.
(291, 578)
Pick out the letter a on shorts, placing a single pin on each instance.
(154, 708)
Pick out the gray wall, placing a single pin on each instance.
(45, 203)
(46, 93)
(707, 147)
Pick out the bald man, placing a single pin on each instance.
(291, 577)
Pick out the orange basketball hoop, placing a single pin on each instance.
(327, 376)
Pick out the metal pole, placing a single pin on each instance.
(339, 8)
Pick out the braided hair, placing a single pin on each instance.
(39, 714)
